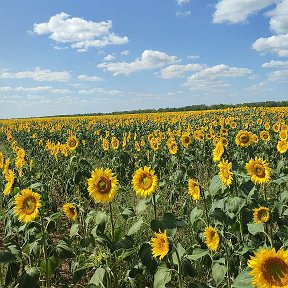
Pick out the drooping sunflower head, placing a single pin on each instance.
(27, 204)
(105, 144)
(115, 143)
(72, 142)
(261, 215)
(212, 238)
(269, 268)
(225, 172)
(70, 211)
(258, 170)
(194, 189)
(160, 245)
(282, 146)
(10, 178)
(102, 185)
(144, 181)
(218, 151)
(243, 138)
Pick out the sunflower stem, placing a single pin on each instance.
(205, 207)
(179, 269)
(227, 261)
(112, 222)
(154, 206)
(45, 251)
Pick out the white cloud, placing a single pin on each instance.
(279, 18)
(182, 2)
(99, 91)
(275, 64)
(237, 11)
(210, 78)
(150, 59)
(177, 71)
(37, 75)
(36, 89)
(80, 33)
(276, 44)
(279, 76)
(109, 57)
(183, 14)
(89, 78)
(125, 52)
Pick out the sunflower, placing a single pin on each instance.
(269, 268)
(10, 178)
(282, 146)
(258, 170)
(105, 144)
(72, 142)
(186, 140)
(102, 185)
(224, 141)
(283, 134)
(144, 181)
(70, 211)
(1, 160)
(194, 189)
(172, 147)
(265, 136)
(218, 151)
(276, 127)
(27, 204)
(225, 172)
(137, 146)
(261, 215)
(212, 238)
(244, 138)
(160, 245)
(115, 143)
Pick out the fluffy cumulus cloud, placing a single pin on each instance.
(38, 74)
(275, 64)
(37, 89)
(177, 71)
(100, 91)
(279, 76)
(279, 18)
(150, 59)
(211, 77)
(90, 78)
(276, 44)
(79, 33)
(237, 11)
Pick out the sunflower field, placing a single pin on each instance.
(181, 199)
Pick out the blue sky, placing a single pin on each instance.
(72, 56)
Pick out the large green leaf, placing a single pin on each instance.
(197, 253)
(135, 228)
(195, 215)
(255, 228)
(218, 273)
(99, 279)
(30, 278)
(243, 280)
(162, 276)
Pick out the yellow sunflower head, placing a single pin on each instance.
(160, 245)
(105, 144)
(144, 181)
(258, 170)
(172, 147)
(194, 189)
(186, 140)
(225, 172)
(244, 138)
(265, 135)
(261, 215)
(218, 151)
(212, 238)
(70, 211)
(115, 143)
(269, 268)
(282, 146)
(283, 134)
(72, 143)
(10, 178)
(102, 185)
(27, 204)
(1, 160)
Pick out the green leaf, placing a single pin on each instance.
(195, 215)
(7, 257)
(197, 253)
(30, 278)
(255, 228)
(181, 251)
(53, 264)
(215, 185)
(141, 206)
(243, 280)
(162, 276)
(127, 213)
(135, 227)
(74, 230)
(63, 251)
(218, 273)
(99, 279)
(146, 257)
